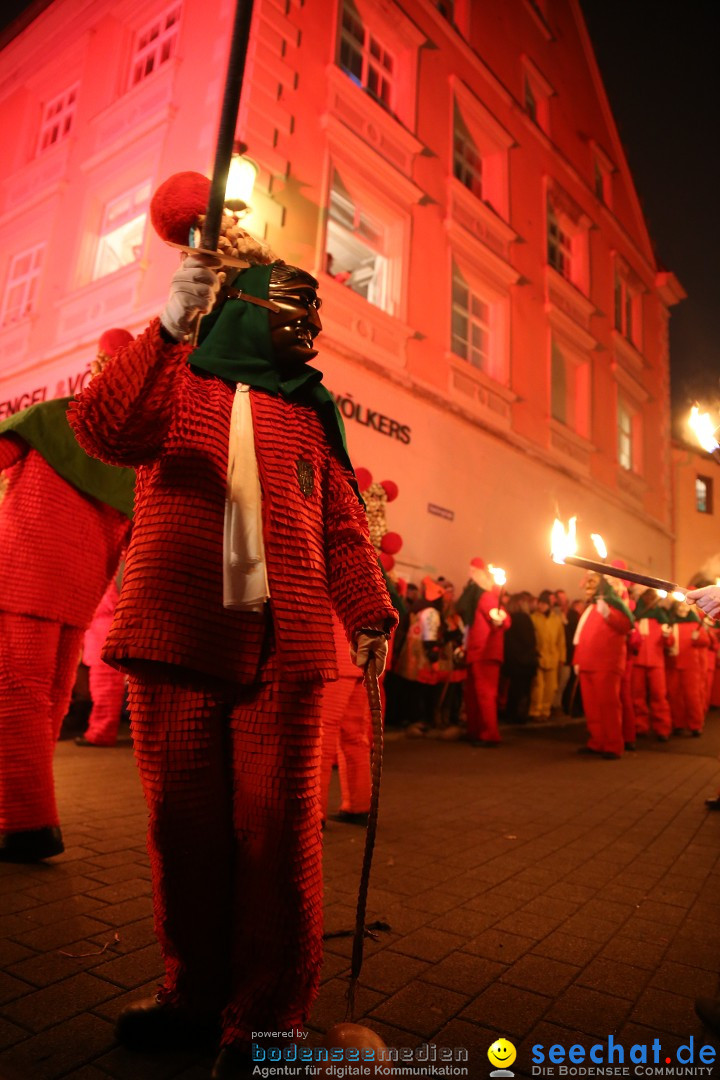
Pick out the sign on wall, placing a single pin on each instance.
(371, 418)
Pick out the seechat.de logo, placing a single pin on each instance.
(501, 1054)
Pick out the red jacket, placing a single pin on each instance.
(652, 647)
(690, 653)
(59, 547)
(149, 409)
(601, 645)
(485, 640)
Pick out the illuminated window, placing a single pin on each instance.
(21, 287)
(58, 119)
(365, 58)
(155, 44)
(627, 310)
(559, 245)
(122, 230)
(467, 163)
(625, 436)
(704, 494)
(471, 324)
(570, 388)
(356, 247)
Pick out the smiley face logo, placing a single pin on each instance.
(502, 1053)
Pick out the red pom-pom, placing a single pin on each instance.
(391, 489)
(114, 340)
(386, 561)
(177, 204)
(364, 478)
(391, 543)
(478, 563)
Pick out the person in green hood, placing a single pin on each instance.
(249, 531)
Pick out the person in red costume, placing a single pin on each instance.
(63, 523)
(107, 684)
(479, 608)
(248, 531)
(649, 681)
(599, 659)
(686, 670)
(634, 641)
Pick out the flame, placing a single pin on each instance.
(563, 541)
(703, 430)
(498, 574)
(661, 593)
(599, 545)
(677, 595)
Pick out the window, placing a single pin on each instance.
(471, 324)
(570, 388)
(155, 44)
(559, 245)
(599, 182)
(122, 230)
(704, 494)
(530, 101)
(21, 287)
(58, 118)
(536, 94)
(446, 9)
(627, 310)
(625, 436)
(365, 58)
(356, 247)
(467, 163)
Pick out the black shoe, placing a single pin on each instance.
(484, 744)
(31, 845)
(714, 803)
(233, 1063)
(153, 1024)
(345, 817)
(588, 750)
(708, 1009)
(80, 740)
(630, 746)
(696, 734)
(678, 731)
(608, 755)
(662, 738)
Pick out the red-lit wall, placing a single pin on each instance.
(482, 449)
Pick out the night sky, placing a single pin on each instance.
(661, 76)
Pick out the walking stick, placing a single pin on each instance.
(373, 692)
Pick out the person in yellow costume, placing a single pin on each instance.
(550, 641)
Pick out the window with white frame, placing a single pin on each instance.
(467, 162)
(58, 118)
(567, 241)
(570, 388)
(627, 310)
(559, 244)
(629, 435)
(19, 297)
(471, 324)
(155, 44)
(704, 494)
(122, 230)
(356, 247)
(365, 58)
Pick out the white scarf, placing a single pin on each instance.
(245, 581)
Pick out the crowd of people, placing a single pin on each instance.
(635, 663)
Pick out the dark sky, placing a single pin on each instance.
(661, 76)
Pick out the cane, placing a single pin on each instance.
(373, 692)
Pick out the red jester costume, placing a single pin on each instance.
(248, 532)
(63, 523)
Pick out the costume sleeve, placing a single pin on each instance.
(12, 450)
(618, 621)
(123, 414)
(357, 588)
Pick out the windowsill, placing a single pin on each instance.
(575, 450)
(493, 219)
(135, 112)
(39, 179)
(98, 284)
(627, 352)
(353, 324)
(565, 300)
(631, 483)
(469, 385)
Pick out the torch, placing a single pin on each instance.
(702, 428)
(564, 546)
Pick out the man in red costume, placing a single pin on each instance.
(248, 532)
(479, 608)
(599, 659)
(649, 682)
(63, 523)
(686, 670)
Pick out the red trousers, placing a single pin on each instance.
(603, 712)
(481, 694)
(650, 700)
(627, 702)
(38, 665)
(346, 735)
(686, 693)
(231, 779)
(107, 690)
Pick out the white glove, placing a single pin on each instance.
(368, 645)
(602, 607)
(497, 616)
(193, 289)
(707, 599)
(666, 630)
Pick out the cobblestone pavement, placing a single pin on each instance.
(530, 893)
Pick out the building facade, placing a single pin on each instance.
(495, 324)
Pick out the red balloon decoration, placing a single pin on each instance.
(391, 543)
(387, 562)
(364, 478)
(391, 489)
